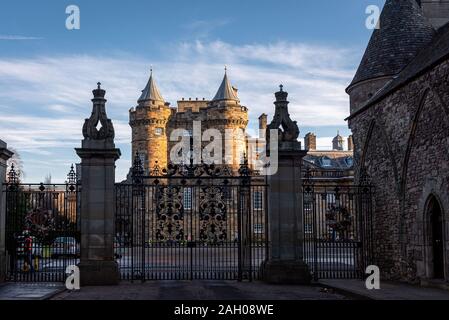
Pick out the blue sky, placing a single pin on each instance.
(47, 72)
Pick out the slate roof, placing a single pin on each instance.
(226, 91)
(151, 92)
(431, 55)
(338, 160)
(403, 32)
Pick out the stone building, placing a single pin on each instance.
(399, 117)
(327, 170)
(153, 121)
(329, 167)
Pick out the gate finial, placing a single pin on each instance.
(288, 128)
(91, 129)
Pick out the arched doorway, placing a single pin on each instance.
(435, 227)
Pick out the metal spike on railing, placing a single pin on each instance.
(13, 176)
(71, 176)
(137, 169)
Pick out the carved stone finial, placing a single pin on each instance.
(91, 128)
(288, 129)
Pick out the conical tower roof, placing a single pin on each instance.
(151, 92)
(403, 32)
(226, 91)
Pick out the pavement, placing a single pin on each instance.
(200, 290)
(387, 291)
(222, 290)
(29, 291)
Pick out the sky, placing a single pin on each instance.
(48, 72)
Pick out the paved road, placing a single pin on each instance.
(200, 290)
(29, 291)
(388, 290)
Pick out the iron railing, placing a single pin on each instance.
(191, 222)
(42, 229)
(337, 229)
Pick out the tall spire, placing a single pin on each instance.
(151, 92)
(226, 91)
(403, 32)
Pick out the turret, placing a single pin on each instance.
(403, 32)
(149, 125)
(337, 142)
(225, 113)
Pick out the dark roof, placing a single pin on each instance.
(151, 92)
(337, 160)
(430, 56)
(226, 91)
(403, 32)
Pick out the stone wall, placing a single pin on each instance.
(403, 141)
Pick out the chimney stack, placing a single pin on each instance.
(310, 141)
(350, 143)
(263, 122)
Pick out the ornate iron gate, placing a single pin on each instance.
(42, 229)
(191, 222)
(337, 229)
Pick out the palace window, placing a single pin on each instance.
(308, 228)
(188, 133)
(257, 200)
(258, 228)
(188, 198)
(159, 131)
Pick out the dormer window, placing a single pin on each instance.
(349, 161)
(326, 162)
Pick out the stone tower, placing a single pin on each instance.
(403, 32)
(337, 142)
(148, 121)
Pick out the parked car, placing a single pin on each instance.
(36, 247)
(65, 246)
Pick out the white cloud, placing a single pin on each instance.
(16, 37)
(202, 29)
(44, 100)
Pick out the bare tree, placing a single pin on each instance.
(16, 160)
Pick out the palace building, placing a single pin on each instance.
(154, 120)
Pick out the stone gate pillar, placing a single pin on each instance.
(285, 262)
(98, 155)
(5, 154)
